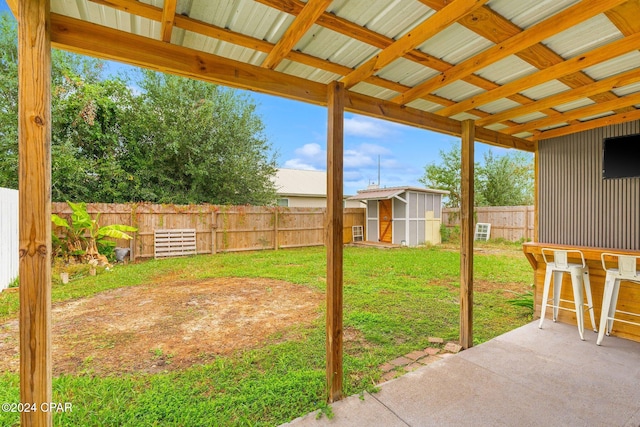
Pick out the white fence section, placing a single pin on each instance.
(8, 236)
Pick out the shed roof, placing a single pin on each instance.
(523, 70)
(391, 192)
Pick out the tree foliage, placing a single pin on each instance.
(505, 180)
(151, 137)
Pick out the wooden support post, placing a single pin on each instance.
(466, 235)
(334, 220)
(34, 136)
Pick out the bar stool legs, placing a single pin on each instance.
(626, 271)
(580, 283)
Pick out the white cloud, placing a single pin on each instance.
(368, 128)
(311, 150)
(298, 164)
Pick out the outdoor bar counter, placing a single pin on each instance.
(628, 300)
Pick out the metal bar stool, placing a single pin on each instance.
(579, 278)
(626, 270)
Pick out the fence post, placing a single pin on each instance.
(214, 231)
(276, 243)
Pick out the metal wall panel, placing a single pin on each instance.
(576, 205)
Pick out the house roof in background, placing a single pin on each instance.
(391, 192)
(302, 183)
(523, 70)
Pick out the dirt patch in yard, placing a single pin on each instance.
(167, 326)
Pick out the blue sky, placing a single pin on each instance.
(297, 132)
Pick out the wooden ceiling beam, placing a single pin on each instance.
(301, 24)
(579, 62)
(94, 40)
(493, 26)
(557, 23)
(168, 16)
(578, 113)
(364, 35)
(134, 7)
(588, 91)
(591, 124)
(408, 42)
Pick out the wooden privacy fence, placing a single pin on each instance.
(511, 223)
(219, 228)
(9, 244)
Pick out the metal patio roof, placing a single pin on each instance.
(523, 70)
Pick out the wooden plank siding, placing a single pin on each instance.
(220, 228)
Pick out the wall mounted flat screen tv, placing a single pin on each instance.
(621, 157)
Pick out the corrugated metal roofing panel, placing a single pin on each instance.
(374, 91)
(306, 72)
(614, 66)
(506, 70)
(458, 90)
(423, 105)
(525, 13)
(220, 48)
(627, 90)
(529, 117)
(455, 44)
(499, 105)
(389, 18)
(579, 103)
(327, 44)
(588, 35)
(465, 116)
(406, 72)
(546, 89)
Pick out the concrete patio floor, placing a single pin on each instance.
(526, 377)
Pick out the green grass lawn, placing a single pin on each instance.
(393, 301)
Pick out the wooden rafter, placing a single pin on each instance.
(372, 38)
(492, 26)
(536, 33)
(301, 24)
(90, 39)
(408, 42)
(605, 85)
(580, 113)
(591, 124)
(569, 66)
(168, 16)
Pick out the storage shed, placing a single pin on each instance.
(402, 215)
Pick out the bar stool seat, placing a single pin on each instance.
(579, 280)
(626, 270)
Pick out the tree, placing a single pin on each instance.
(446, 176)
(172, 140)
(8, 102)
(500, 181)
(194, 142)
(507, 180)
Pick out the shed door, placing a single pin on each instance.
(384, 219)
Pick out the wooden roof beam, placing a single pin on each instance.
(617, 81)
(493, 26)
(578, 113)
(557, 23)
(91, 39)
(365, 35)
(408, 42)
(301, 24)
(591, 124)
(579, 62)
(168, 16)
